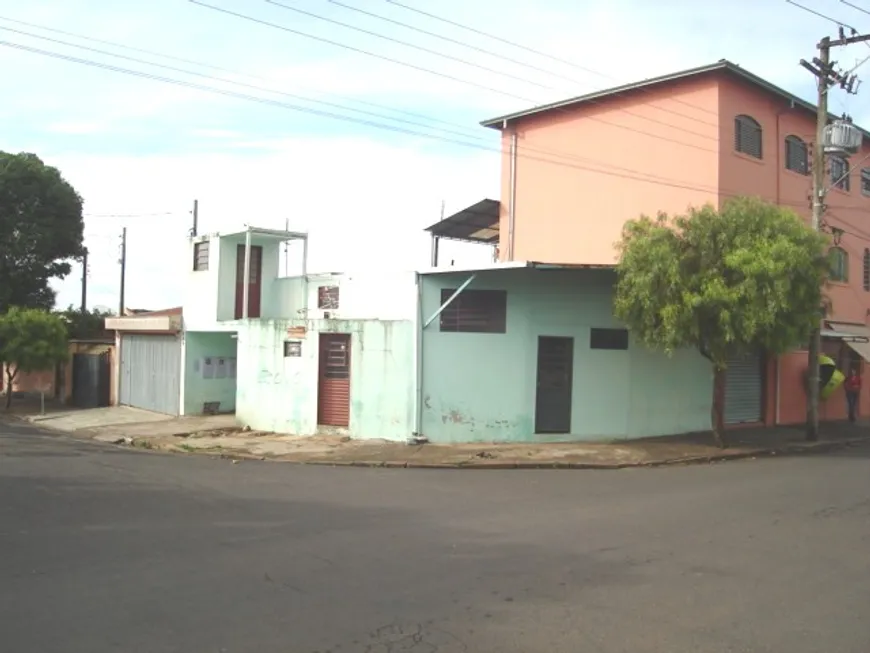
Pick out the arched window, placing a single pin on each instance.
(839, 258)
(747, 136)
(840, 173)
(796, 155)
(867, 270)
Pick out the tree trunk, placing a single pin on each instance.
(9, 377)
(717, 412)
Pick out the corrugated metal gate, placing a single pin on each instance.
(743, 382)
(333, 398)
(150, 374)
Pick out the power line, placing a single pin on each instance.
(506, 58)
(469, 63)
(854, 6)
(637, 175)
(409, 45)
(228, 81)
(227, 70)
(460, 80)
(455, 41)
(520, 46)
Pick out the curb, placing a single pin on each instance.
(794, 449)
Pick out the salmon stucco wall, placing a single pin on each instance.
(582, 173)
(769, 179)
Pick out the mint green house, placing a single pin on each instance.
(504, 352)
(529, 352)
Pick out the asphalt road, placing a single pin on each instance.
(107, 549)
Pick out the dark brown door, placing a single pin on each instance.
(333, 399)
(555, 381)
(255, 281)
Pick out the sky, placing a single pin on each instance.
(336, 130)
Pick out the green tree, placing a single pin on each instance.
(744, 279)
(31, 340)
(88, 325)
(41, 228)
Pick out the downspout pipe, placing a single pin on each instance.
(512, 197)
(417, 436)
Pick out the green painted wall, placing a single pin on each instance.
(481, 387)
(280, 394)
(197, 390)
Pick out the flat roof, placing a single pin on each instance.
(476, 223)
(723, 65)
(277, 234)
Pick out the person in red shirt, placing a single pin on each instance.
(853, 389)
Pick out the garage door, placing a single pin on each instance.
(743, 390)
(151, 372)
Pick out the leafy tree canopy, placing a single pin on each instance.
(41, 228)
(31, 340)
(743, 279)
(87, 325)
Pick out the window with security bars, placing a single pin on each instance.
(796, 155)
(474, 311)
(867, 270)
(865, 181)
(200, 256)
(747, 136)
(839, 258)
(840, 173)
(327, 297)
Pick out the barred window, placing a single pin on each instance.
(474, 311)
(747, 136)
(839, 264)
(840, 173)
(200, 256)
(796, 155)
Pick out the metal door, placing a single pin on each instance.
(90, 380)
(743, 384)
(254, 281)
(554, 384)
(333, 399)
(151, 372)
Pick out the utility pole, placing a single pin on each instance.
(85, 280)
(826, 76)
(193, 231)
(123, 262)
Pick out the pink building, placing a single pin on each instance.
(574, 172)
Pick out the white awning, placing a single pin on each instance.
(856, 336)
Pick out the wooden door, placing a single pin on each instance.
(554, 385)
(333, 397)
(255, 281)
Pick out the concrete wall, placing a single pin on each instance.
(481, 387)
(280, 394)
(198, 390)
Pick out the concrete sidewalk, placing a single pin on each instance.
(221, 436)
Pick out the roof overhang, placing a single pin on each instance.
(723, 65)
(262, 233)
(515, 265)
(145, 323)
(855, 336)
(477, 223)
